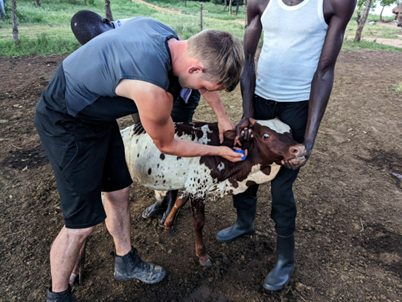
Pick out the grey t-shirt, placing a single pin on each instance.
(138, 51)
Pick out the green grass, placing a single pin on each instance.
(41, 45)
(372, 17)
(373, 31)
(52, 20)
(46, 29)
(352, 46)
(398, 88)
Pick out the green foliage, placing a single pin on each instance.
(362, 3)
(389, 2)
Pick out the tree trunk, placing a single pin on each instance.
(230, 7)
(37, 3)
(237, 7)
(381, 19)
(109, 15)
(15, 23)
(226, 4)
(185, 3)
(361, 21)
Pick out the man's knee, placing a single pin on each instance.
(247, 199)
(79, 234)
(118, 193)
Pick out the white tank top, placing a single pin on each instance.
(293, 40)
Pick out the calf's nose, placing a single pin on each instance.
(298, 150)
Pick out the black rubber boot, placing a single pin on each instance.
(280, 275)
(157, 207)
(243, 225)
(65, 296)
(131, 266)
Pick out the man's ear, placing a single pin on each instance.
(195, 69)
(230, 134)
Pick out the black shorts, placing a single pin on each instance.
(87, 158)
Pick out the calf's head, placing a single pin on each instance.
(273, 142)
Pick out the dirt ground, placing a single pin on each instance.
(349, 226)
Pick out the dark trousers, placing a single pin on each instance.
(183, 112)
(283, 203)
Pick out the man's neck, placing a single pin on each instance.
(178, 54)
(292, 2)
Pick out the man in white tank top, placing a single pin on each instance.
(302, 40)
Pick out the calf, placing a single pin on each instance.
(208, 177)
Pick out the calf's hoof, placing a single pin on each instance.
(162, 222)
(170, 231)
(75, 279)
(205, 261)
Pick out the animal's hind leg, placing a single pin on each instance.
(79, 265)
(180, 201)
(170, 198)
(198, 209)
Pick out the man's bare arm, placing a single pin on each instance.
(252, 35)
(214, 100)
(155, 105)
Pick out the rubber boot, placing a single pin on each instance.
(65, 296)
(243, 225)
(131, 266)
(157, 207)
(280, 275)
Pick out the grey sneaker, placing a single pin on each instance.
(131, 266)
(65, 296)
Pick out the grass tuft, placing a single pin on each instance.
(397, 88)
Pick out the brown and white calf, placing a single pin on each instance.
(208, 177)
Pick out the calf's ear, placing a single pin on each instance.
(230, 134)
(251, 121)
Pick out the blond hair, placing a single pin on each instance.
(221, 54)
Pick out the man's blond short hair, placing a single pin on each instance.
(221, 54)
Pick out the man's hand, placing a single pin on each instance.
(296, 163)
(224, 124)
(231, 155)
(242, 131)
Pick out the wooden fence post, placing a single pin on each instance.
(15, 23)
(201, 17)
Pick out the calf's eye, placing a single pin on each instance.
(266, 136)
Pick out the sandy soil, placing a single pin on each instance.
(349, 227)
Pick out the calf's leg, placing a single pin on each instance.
(170, 198)
(198, 209)
(173, 213)
(79, 265)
